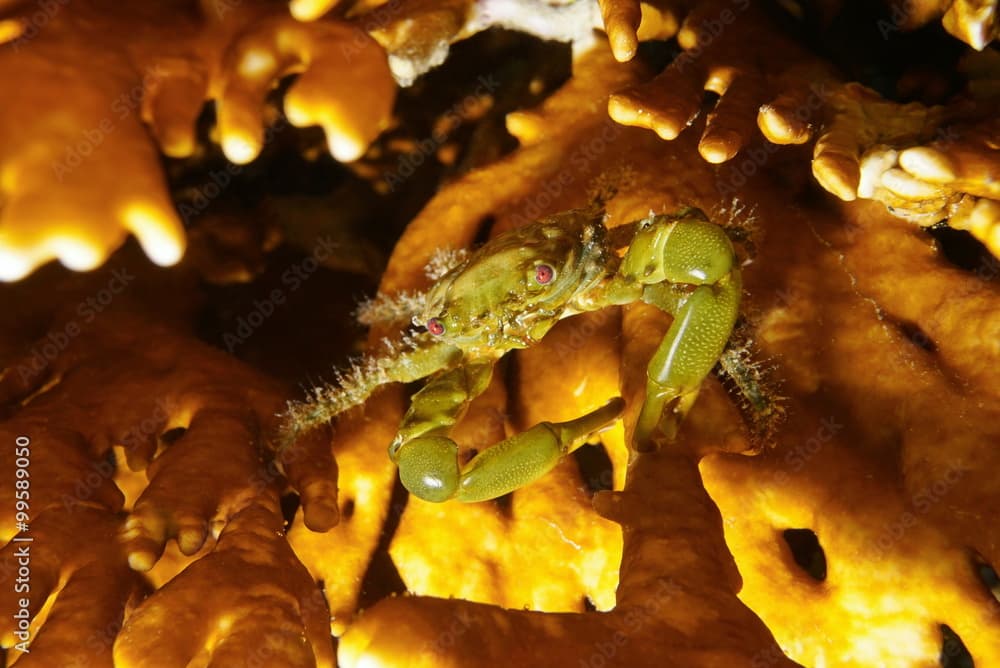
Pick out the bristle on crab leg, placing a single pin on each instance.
(383, 309)
(403, 361)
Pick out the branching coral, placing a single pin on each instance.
(927, 164)
(68, 138)
(78, 584)
(104, 388)
(731, 49)
(264, 606)
(975, 22)
(887, 353)
(923, 166)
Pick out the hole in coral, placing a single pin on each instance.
(807, 552)
(171, 436)
(588, 605)
(348, 510)
(987, 574)
(504, 505)
(658, 53)
(483, 230)
(953, 651)
(708, 101)
(965, 252)
(595, 467)
(289, 506)
(916, 336)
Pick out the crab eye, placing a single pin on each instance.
(435, 327)
(544, 274)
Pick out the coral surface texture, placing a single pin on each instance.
(473, 333)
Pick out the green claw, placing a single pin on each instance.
(526, 457)
(428, 468)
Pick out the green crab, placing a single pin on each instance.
(506, 295)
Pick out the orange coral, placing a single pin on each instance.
(927, 164)
(974, 22)
(79, 587)
(264, 606)
(68, 138)
(910, 157)
(887, 354)
(732, 50)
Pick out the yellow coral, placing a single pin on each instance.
(68, 139)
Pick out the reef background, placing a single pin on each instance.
(857, 531)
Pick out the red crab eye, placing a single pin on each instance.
(544, 274)
(435, 327)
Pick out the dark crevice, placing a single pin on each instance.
(347, 511)
(289, 506)
(965, 252)
(953, 651)
(986, 574)
(807, 552)
(588, 605)
(483, 230)
(503, 504)
(595, 467)
(382, 580)
(171, 436)
(915, 335)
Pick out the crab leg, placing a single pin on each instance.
(525, 457)
(406, 362)
(428, 459)
(688, 268)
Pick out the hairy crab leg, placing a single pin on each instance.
(688, 268)
(412, 359)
